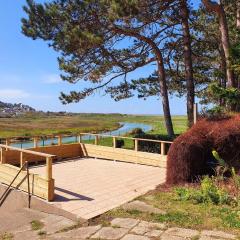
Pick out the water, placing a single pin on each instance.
(125, 128)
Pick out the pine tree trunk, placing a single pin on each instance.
(223, 77)
(223, 67)
(188, 61)
(223, 27)
(238, 14)
(161, 75)
(164, 95)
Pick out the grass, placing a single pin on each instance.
(186, 214)
(78, 224)
(6, 236)
(107, 141)
(42, 233)
(36, 225)
(37, 124)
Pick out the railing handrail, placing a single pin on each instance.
(124, 137)
(3, 197)
(27, 151)
(92, 134)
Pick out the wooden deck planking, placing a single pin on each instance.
(88, 187)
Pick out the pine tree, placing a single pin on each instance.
(103, 41)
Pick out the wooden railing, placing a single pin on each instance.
(43, 187)
(5, 193)
(97, 137)
(136, 141)
(48, 157)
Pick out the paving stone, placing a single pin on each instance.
(61, 238)
(217, 234)
(154, 233)
(125, 222)
(142, 207)
(33, 235)
(134, 237)
(11, 220)
(139, 230)
(144, 227)
(110, 233)
(210, 238)
(166, 236)
(86, 232)
(51, 226)
(79, 233)
(152, 225)
(182, 232)
(21, 229)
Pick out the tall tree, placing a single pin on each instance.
(102, 41)
(178, 61)
(218, 9)
(238, 14)
(187, 59)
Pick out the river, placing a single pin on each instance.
(125, 128)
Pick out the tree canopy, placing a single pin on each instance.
(102, 41)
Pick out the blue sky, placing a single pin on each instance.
(29, 74)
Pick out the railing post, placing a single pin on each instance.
(52, 140)
(49, 179)
(96, 139)
(80, 138)
(35, 142)
(49, 168)
(114, 142)
(22, 160)
(195, 113)
(136, 144)
(163, 149)
(59, 140)
(7, 143)
(3, 157)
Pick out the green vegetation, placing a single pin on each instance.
(36, 225)
(36, 124)
(42, 233)
(6, 236)
(212, 204)
(208, 192)
(72, 227)
(183, 212)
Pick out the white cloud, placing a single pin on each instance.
(12, 94)
(52, 78)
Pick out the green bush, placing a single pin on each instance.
(183, 194)
(152, 147)
(212, 193)
(208, 192)
(137, 131)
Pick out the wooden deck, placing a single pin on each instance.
(88, 187)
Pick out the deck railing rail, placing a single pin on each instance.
(5, 193)
(79, 139)
(49, 158)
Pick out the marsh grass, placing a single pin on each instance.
(37, 124)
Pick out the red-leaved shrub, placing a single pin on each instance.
(191, 153)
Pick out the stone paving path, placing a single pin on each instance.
(17, 224)
(132, 229)
(119, 228)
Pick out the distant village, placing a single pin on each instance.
(8, 110)
(12, 110)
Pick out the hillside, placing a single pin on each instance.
(12, 110)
